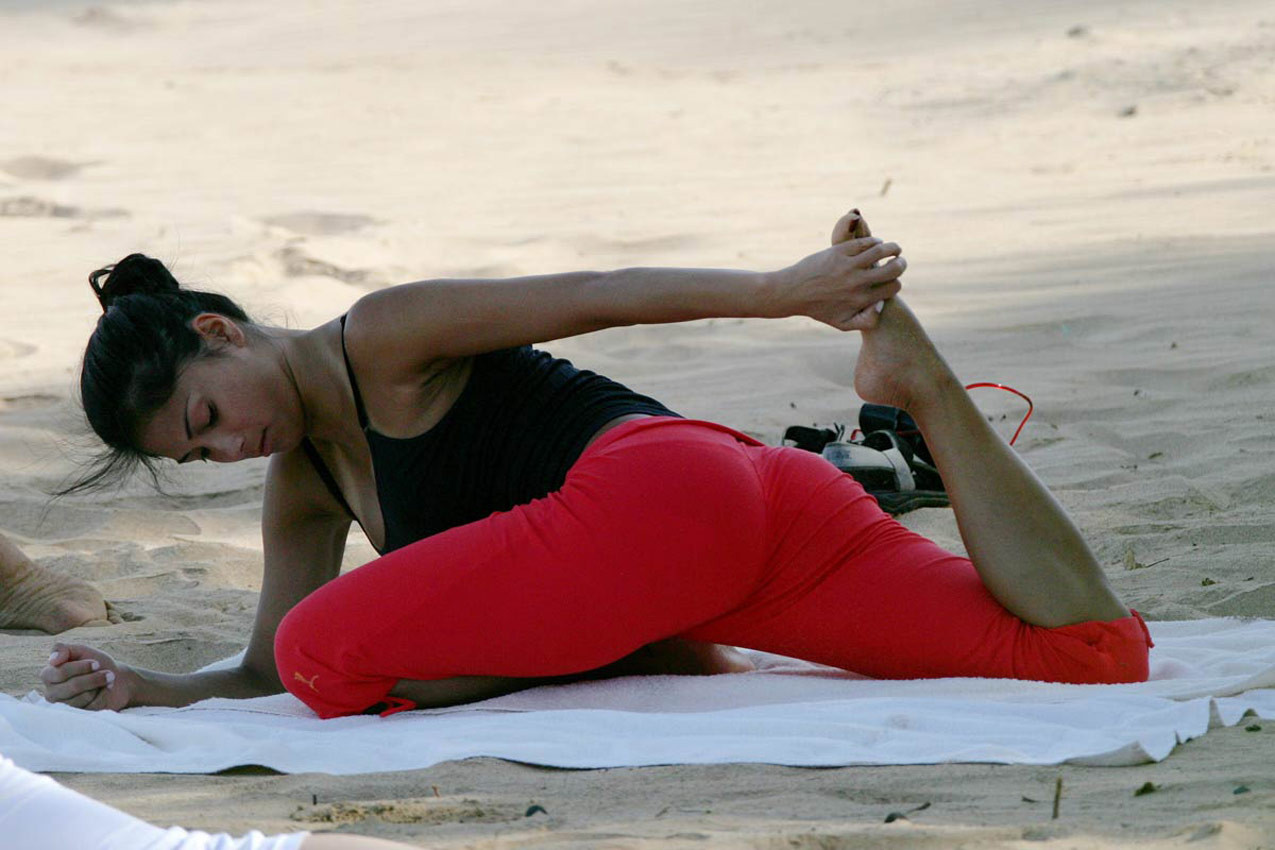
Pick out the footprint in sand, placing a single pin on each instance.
(427, 810)
(309, 223)
(832, 365)
(654, 246)
(1244, 379)
(1257, 602)
(1230, 535)
(296, 263)
(13, 350)
(38, 520)
(35, 402)
(27, 206)
(104, 19)
(41, 168)
(663, 353)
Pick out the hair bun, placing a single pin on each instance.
(136, 274)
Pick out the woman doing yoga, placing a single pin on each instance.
(538, 522)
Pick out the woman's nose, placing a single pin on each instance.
(226, 448)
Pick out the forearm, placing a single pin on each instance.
(406, 328)
(151, 687)
(658, 295)
(421, 322)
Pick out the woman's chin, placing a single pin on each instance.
(281, 445)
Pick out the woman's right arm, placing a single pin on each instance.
(303, 532)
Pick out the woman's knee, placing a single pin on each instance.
(295, 645)
(318, 664)
(1093, 653)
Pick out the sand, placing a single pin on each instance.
(1083, 190)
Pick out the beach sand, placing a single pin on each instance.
(1083, 189)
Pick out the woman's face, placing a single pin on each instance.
(235, 405)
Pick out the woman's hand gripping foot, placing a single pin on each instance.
(898, 364)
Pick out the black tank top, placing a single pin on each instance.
(519, 424)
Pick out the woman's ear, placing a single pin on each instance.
(216, 330)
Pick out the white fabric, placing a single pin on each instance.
(1203, 672)
(38, 814)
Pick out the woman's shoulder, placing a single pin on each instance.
(374, 316)
(376, 336)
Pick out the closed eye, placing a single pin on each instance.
(212, 421)
(207, 426)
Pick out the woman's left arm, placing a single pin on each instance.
(448, 318)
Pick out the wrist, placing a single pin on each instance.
(131, 683)
(769, 295)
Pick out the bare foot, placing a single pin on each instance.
(34, 597)
(709, 659)
(898, 364)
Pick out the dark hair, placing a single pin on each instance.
(139, 348)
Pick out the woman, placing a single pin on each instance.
(538, 523)
(38, 814)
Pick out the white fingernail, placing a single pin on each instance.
(110, 678)
(93, 665)
(52, 657)
(880, 305)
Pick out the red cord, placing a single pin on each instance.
(1023, 396)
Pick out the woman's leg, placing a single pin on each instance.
(680, 530)
(660, 526)
(1028, 552)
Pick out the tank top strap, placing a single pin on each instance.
(354, 384)
(325, 475)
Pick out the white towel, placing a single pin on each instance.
(1204, 672)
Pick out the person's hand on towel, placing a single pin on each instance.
(83, 677)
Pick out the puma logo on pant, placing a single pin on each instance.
(310, 681)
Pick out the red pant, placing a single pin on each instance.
(671, 527)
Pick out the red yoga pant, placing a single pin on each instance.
(668, 527)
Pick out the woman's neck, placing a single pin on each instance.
(312, 364)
